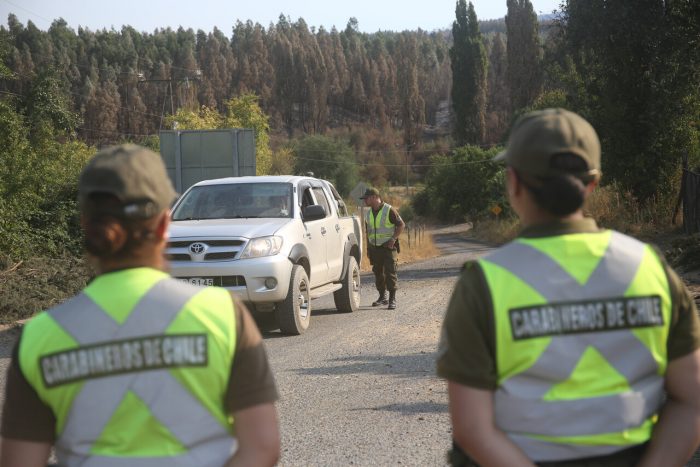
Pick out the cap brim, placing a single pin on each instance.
(501, 156)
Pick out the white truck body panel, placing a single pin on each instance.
(211, 248)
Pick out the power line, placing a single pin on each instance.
(11, 93)
(80, 95)
(28, 11)
(374, 164)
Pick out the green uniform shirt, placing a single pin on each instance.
(467, 353)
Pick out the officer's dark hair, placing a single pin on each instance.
(560, 194)
(103, 212)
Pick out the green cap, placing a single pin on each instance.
(539, 135)
(370, 192)
(133, 174)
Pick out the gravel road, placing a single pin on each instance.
(360, 388)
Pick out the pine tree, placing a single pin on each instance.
(498, 98)
(469, 72)
(524, 54)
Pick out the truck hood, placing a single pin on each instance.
(248, 228)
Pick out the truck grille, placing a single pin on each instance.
(187, 243)
(204, 250)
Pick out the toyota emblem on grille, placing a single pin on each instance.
(197, 248)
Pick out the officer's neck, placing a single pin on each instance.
(540, 217)
(151, 259)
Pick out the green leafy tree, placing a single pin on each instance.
(245, 112)
(463, 186)
(641, 62)
(524, 53)
(282, 162)
(329, 159)
(469, 75)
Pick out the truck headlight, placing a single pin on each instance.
(263, 246)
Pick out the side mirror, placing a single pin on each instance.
(313, 213)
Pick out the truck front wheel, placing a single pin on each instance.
(294, 313)
(347, 299)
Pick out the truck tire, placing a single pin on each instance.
(294, 313)
(347, 299)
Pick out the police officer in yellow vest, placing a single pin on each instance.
(571, 345)
(384, 225)
(138, 369)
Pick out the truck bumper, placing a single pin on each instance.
(255, 271)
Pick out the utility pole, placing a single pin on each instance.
(408, 157)
(186, 79)
(408, 150)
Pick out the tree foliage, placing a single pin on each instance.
(462, 186)
(524, 53)
(469, 75)
(39, 168)
(123, 83)
(635, 69)
(329, 159)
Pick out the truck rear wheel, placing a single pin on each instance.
(294, 313)
(347, 299)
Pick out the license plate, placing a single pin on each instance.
(205, 281)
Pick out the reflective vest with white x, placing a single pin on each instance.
(581, 323)
(135, 369)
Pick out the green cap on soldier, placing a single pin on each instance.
(370, 192)
(135, 175)
(539, 135)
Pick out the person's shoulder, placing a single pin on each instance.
(471, 266)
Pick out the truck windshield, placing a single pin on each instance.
(235, 201)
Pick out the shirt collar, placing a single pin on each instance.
(561, 227)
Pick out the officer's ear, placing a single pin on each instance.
(591, 186)
(513, 183)
(161, 230)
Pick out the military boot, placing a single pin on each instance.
(381, 300)
(392, 300)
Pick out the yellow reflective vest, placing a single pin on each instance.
(379, 227)
(581, 326)
(135, 369)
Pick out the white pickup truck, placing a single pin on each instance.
(275, 241)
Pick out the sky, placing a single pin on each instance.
(147, 15)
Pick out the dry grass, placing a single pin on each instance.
(423, 249)
(619, 210)
(496, 231)
(612, 208)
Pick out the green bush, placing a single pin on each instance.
(327, 158)
(464, 186)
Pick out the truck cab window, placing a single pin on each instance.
(306, 198)
(321, 199)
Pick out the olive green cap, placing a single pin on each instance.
(370, 192)
(133, 174)
(539, 135)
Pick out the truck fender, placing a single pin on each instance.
(300, 255)
(348, 251)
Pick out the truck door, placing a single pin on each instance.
(334, 235)
(314, 239)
